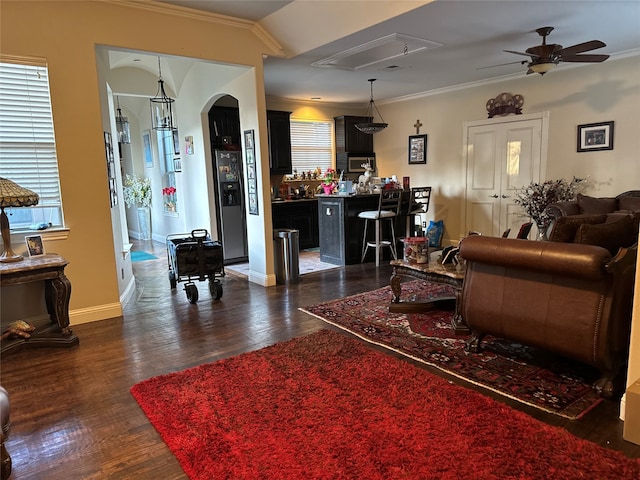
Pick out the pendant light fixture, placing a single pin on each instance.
(162, 107)
(372, 127)
(122, 125)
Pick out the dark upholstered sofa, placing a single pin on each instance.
(570, 298)
(626, 202)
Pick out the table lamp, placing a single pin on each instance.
(12, 195)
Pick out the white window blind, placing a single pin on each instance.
(27, 141)
(311, 145)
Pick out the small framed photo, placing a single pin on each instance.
(595, 136)
(177, 165)
(34, 245)
(417, 149)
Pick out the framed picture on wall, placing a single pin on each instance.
(146, 144)
(252, 181)
(595, 137)
(417, 149)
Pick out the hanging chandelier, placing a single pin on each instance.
(372, 127)
(162, 107)
(122, 125)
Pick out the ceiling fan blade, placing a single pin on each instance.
(521, 53)
(582, 47)
(521, 62)
(585, 58)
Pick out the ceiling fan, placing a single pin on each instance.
(546, 56)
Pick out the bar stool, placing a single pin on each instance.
(388, 209)
(418, 203)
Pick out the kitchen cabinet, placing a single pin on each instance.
(279, 131)
(301, 215)
(224, 127)
(349, 139)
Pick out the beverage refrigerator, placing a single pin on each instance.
(232, 220)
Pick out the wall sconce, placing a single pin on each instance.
(12, 195)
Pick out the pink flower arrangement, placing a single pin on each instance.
(328, 176)
(168, 190)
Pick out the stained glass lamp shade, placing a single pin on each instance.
(12, 195)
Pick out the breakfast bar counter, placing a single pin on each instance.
(341, 230)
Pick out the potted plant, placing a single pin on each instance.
(137, 192)
(536, 197)
(328, 183)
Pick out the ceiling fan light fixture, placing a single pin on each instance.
(542, 67)
(372, 127)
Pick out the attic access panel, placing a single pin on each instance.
(377, 51)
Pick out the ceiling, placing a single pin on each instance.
(449, 43)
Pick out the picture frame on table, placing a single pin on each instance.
(34, 245)
(593, 137)
(417, 149)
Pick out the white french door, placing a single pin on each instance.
(502, 155)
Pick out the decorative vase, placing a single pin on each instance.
(542, 231)
(328, 189)
(144, 222)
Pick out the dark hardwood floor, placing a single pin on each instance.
(72, 414)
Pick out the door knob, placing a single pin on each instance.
(505, 196)
(495, 195)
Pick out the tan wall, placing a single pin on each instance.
(66, 34)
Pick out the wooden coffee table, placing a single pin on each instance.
(430, 272)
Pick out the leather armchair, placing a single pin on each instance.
(572, 299)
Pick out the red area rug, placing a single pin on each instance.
(326, 406)
(531, 376)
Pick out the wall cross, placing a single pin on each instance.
(417, 125)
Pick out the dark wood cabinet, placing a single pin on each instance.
(349, 139)
(301, 215)
(279, 130)
(224, 127)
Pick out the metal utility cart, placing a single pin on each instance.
(195, 256)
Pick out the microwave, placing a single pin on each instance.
(351, 163)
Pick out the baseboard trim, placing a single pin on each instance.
(95, 314)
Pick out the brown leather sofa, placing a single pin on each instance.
(572, 299)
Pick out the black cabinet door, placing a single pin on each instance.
(224, 127)
(278, 124)
(349, 139)
(301, 216)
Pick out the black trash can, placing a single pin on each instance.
(286, 241)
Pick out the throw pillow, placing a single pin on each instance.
(565, 228)
(630, 204)
(611, 236)
(594, 206)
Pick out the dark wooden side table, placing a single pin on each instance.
(430, 272)
(57, 291)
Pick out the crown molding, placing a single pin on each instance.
(513, 76)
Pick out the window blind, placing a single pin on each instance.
(27, 141)
(311, 144)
